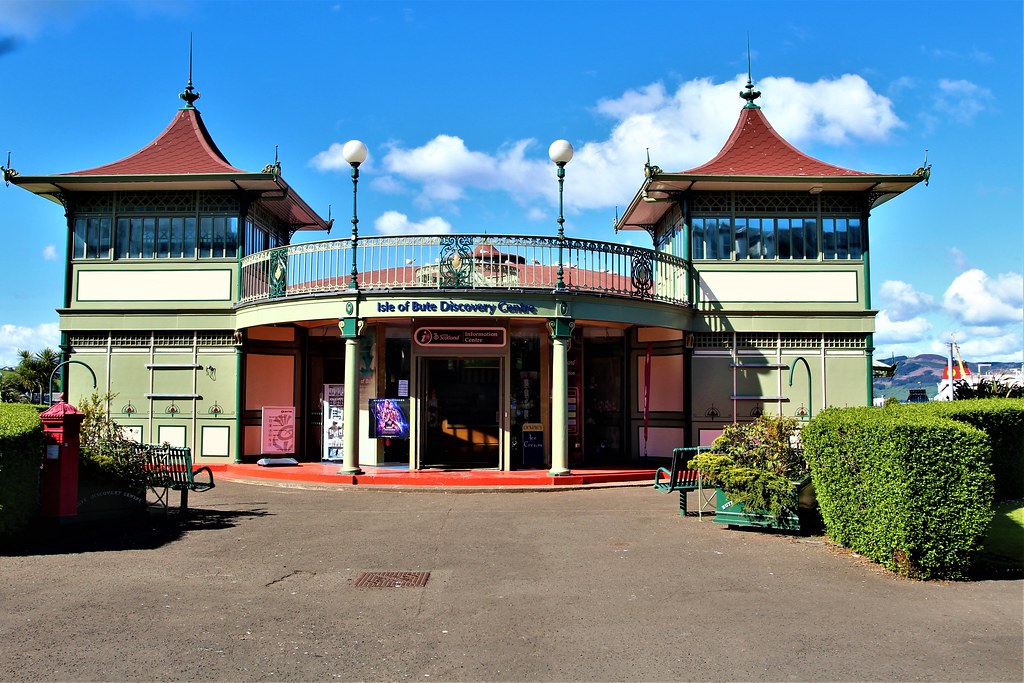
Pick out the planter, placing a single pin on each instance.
(736, 514)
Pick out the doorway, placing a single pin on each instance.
(461, 429)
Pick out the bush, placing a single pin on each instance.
(906, 489)
(21, 438)
(1003, 421)
(755, 464)
(106, 455)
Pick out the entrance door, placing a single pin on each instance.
(461, 429)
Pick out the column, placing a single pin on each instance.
(561, 336)
(350, 438)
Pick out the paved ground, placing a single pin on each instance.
(605, 584)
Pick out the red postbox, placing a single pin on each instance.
(62, 425)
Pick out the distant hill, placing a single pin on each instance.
(924, 372)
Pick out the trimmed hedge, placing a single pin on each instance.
(1003, 420)
(21, 435)
(906, 489)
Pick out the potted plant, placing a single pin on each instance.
(760, 472)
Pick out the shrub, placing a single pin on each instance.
(906, 489)
(755, 464)
(21, 437)
(106, 455)
(1003, 421)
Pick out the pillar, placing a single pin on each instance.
(561, 337)
(350, 437)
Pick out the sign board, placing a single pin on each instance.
(333, 411)
(533, 444)
(389, 418)
(463, 337)
(278, 430)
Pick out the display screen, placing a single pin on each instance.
(389, 418)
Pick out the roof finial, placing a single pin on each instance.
(750, 95)
(190, 95)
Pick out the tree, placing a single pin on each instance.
(34, 370)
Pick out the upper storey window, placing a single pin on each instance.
(787, 226)
(172, 225)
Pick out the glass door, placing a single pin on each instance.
(461, 424)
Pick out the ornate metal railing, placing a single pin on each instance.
(473, 262)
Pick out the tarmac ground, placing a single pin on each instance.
(262, 582)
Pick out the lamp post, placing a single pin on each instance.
(560, 153)
(354, 153)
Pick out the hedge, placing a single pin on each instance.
(1003, 420)
(909, 490)
(21, 435)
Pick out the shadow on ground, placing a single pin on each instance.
(147, 530)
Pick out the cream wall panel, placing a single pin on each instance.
(666, 383)
(154, 285)
(269, 381)
(794, 287)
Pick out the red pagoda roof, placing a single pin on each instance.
(183, 157)
(185, 146)
(755, 149)
(757, 158)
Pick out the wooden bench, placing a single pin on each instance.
(170, 469)
(678, 478)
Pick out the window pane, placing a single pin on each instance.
(121, 244)
(697, 238)
(163, 237)
(783, 238)
(205, 237)
(856, 250)
(725, 238)
(741, 238)
(148, 237)
(828, 238)
(796, 227)
(188, 244)
(177, 236)
(842, 243)
(231, 240)
(811, 238)
(80, 225)
(768, 239)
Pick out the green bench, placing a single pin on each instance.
(678, 478)
(170, 469)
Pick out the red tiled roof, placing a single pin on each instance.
(755, 149)
(185, 146)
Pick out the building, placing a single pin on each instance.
(188, 298)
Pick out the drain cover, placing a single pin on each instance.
(392, 579)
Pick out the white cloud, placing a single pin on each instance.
(682, 129)
(14, 338)
(395, 223)
(1005, 348)
(903, 302)
(889, 331)
(976, 299)
(49, 253)
(959, 258)
(962, 100)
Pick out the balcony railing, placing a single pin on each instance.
(472, 262)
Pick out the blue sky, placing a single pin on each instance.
(458, 102)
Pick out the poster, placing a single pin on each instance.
(278, 430)
(334, 419)
(389, 418)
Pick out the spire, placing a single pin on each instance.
(191, 94)
(750, 95)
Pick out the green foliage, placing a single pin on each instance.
(988, 388)
(106, 455)
(906, 489)
(1003, 421)
(21, 438)
(756, 464)
(31, 375)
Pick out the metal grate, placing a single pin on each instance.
(392, 579)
